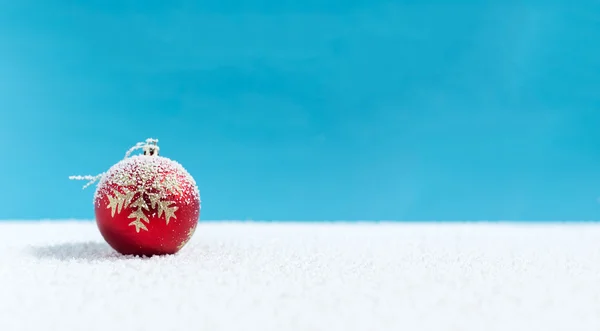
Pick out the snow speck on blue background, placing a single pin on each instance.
(311, 110)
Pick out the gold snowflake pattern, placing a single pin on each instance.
(142, 193)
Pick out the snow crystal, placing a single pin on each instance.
(265, 276)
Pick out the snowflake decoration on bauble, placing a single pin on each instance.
(152, 193)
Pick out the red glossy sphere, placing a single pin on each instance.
(147, 205)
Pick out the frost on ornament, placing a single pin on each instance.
(151, 183)
(140, 191)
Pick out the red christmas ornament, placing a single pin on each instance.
(146, 204)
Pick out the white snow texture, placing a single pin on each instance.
(293, 276)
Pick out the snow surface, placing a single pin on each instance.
(292, 276)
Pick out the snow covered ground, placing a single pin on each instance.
(264, 276)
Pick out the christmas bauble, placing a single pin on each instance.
(147, 205)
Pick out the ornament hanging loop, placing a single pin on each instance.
(151, 147)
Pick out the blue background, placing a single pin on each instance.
(308, 110)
